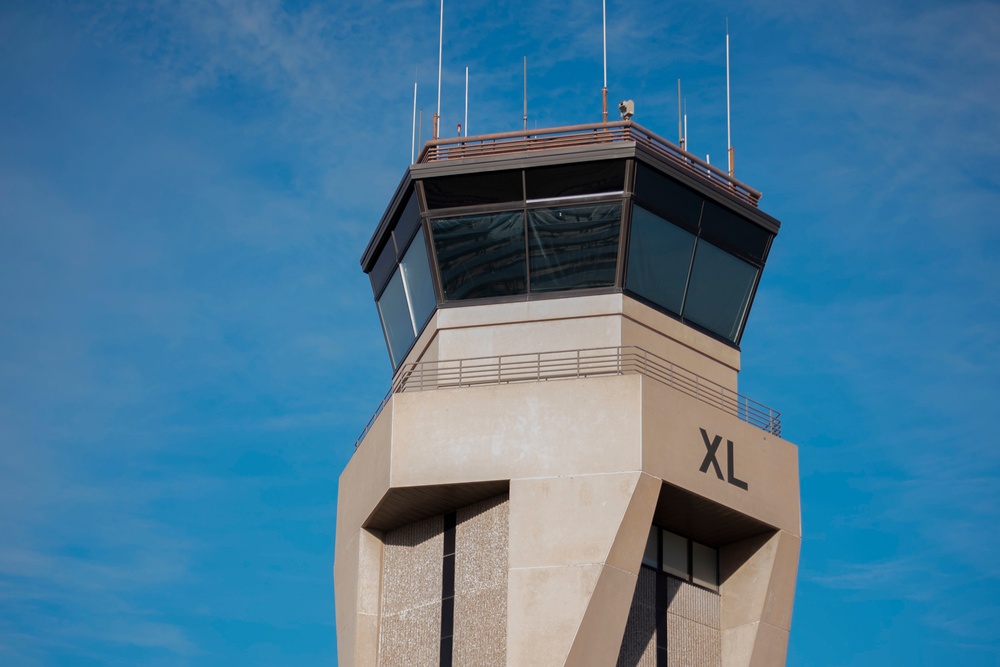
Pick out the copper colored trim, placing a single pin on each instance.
(571, 136)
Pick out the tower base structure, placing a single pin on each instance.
(570, 481)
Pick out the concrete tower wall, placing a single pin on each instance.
(588, 465)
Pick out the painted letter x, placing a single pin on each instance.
(712, 448)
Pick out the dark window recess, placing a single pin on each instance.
(659, 259)
(573, 247)
(448, 590)
(383, 267)
(481, 255)
(677, 556)
(734, 233)
(719, 291)
(569, 180)
(667, 198)
(409, 221)
(491, 187)
(662, 603)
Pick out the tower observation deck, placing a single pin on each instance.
(563, 471)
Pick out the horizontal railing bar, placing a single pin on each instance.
(567, 364)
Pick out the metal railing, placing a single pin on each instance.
(573, 136)
(573, 364)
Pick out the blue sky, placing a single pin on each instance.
(188, 347)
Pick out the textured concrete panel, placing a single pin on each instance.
(693, 620)
(693, 603)
(411, 571)
(691, 644)
(481, 546)
(693, 616)
(639, 642)
(481, 584)
(411, 638)
(481, 628)
(410, 631)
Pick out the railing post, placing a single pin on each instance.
(459, 372)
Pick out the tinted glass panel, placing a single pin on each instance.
(481, 255)
(732, 232)
(396, 318)
(719, 292)
(383, 267)
(567, 180)
(573, 247)
(471, 189)
(675, 554)
(659, 257)
(408, 222)
(419, 287)
(667, 198)
(704, 566)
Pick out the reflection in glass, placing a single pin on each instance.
(659, 257)
(409, 220)
(481, 255)
(471, 189)
(572, 180)
(667, 198)
(719, 292)
(383, 267)
(573, 247)
(396, 320)
(734, 233)
(419, 287)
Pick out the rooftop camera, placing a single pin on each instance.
(627, 109)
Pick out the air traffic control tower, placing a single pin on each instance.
(563, 471)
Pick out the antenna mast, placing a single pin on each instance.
(437, 116)
(604, 90)
(680, 117)
(729, 133)
(685, 124)
(525, 93)
(413, 136)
